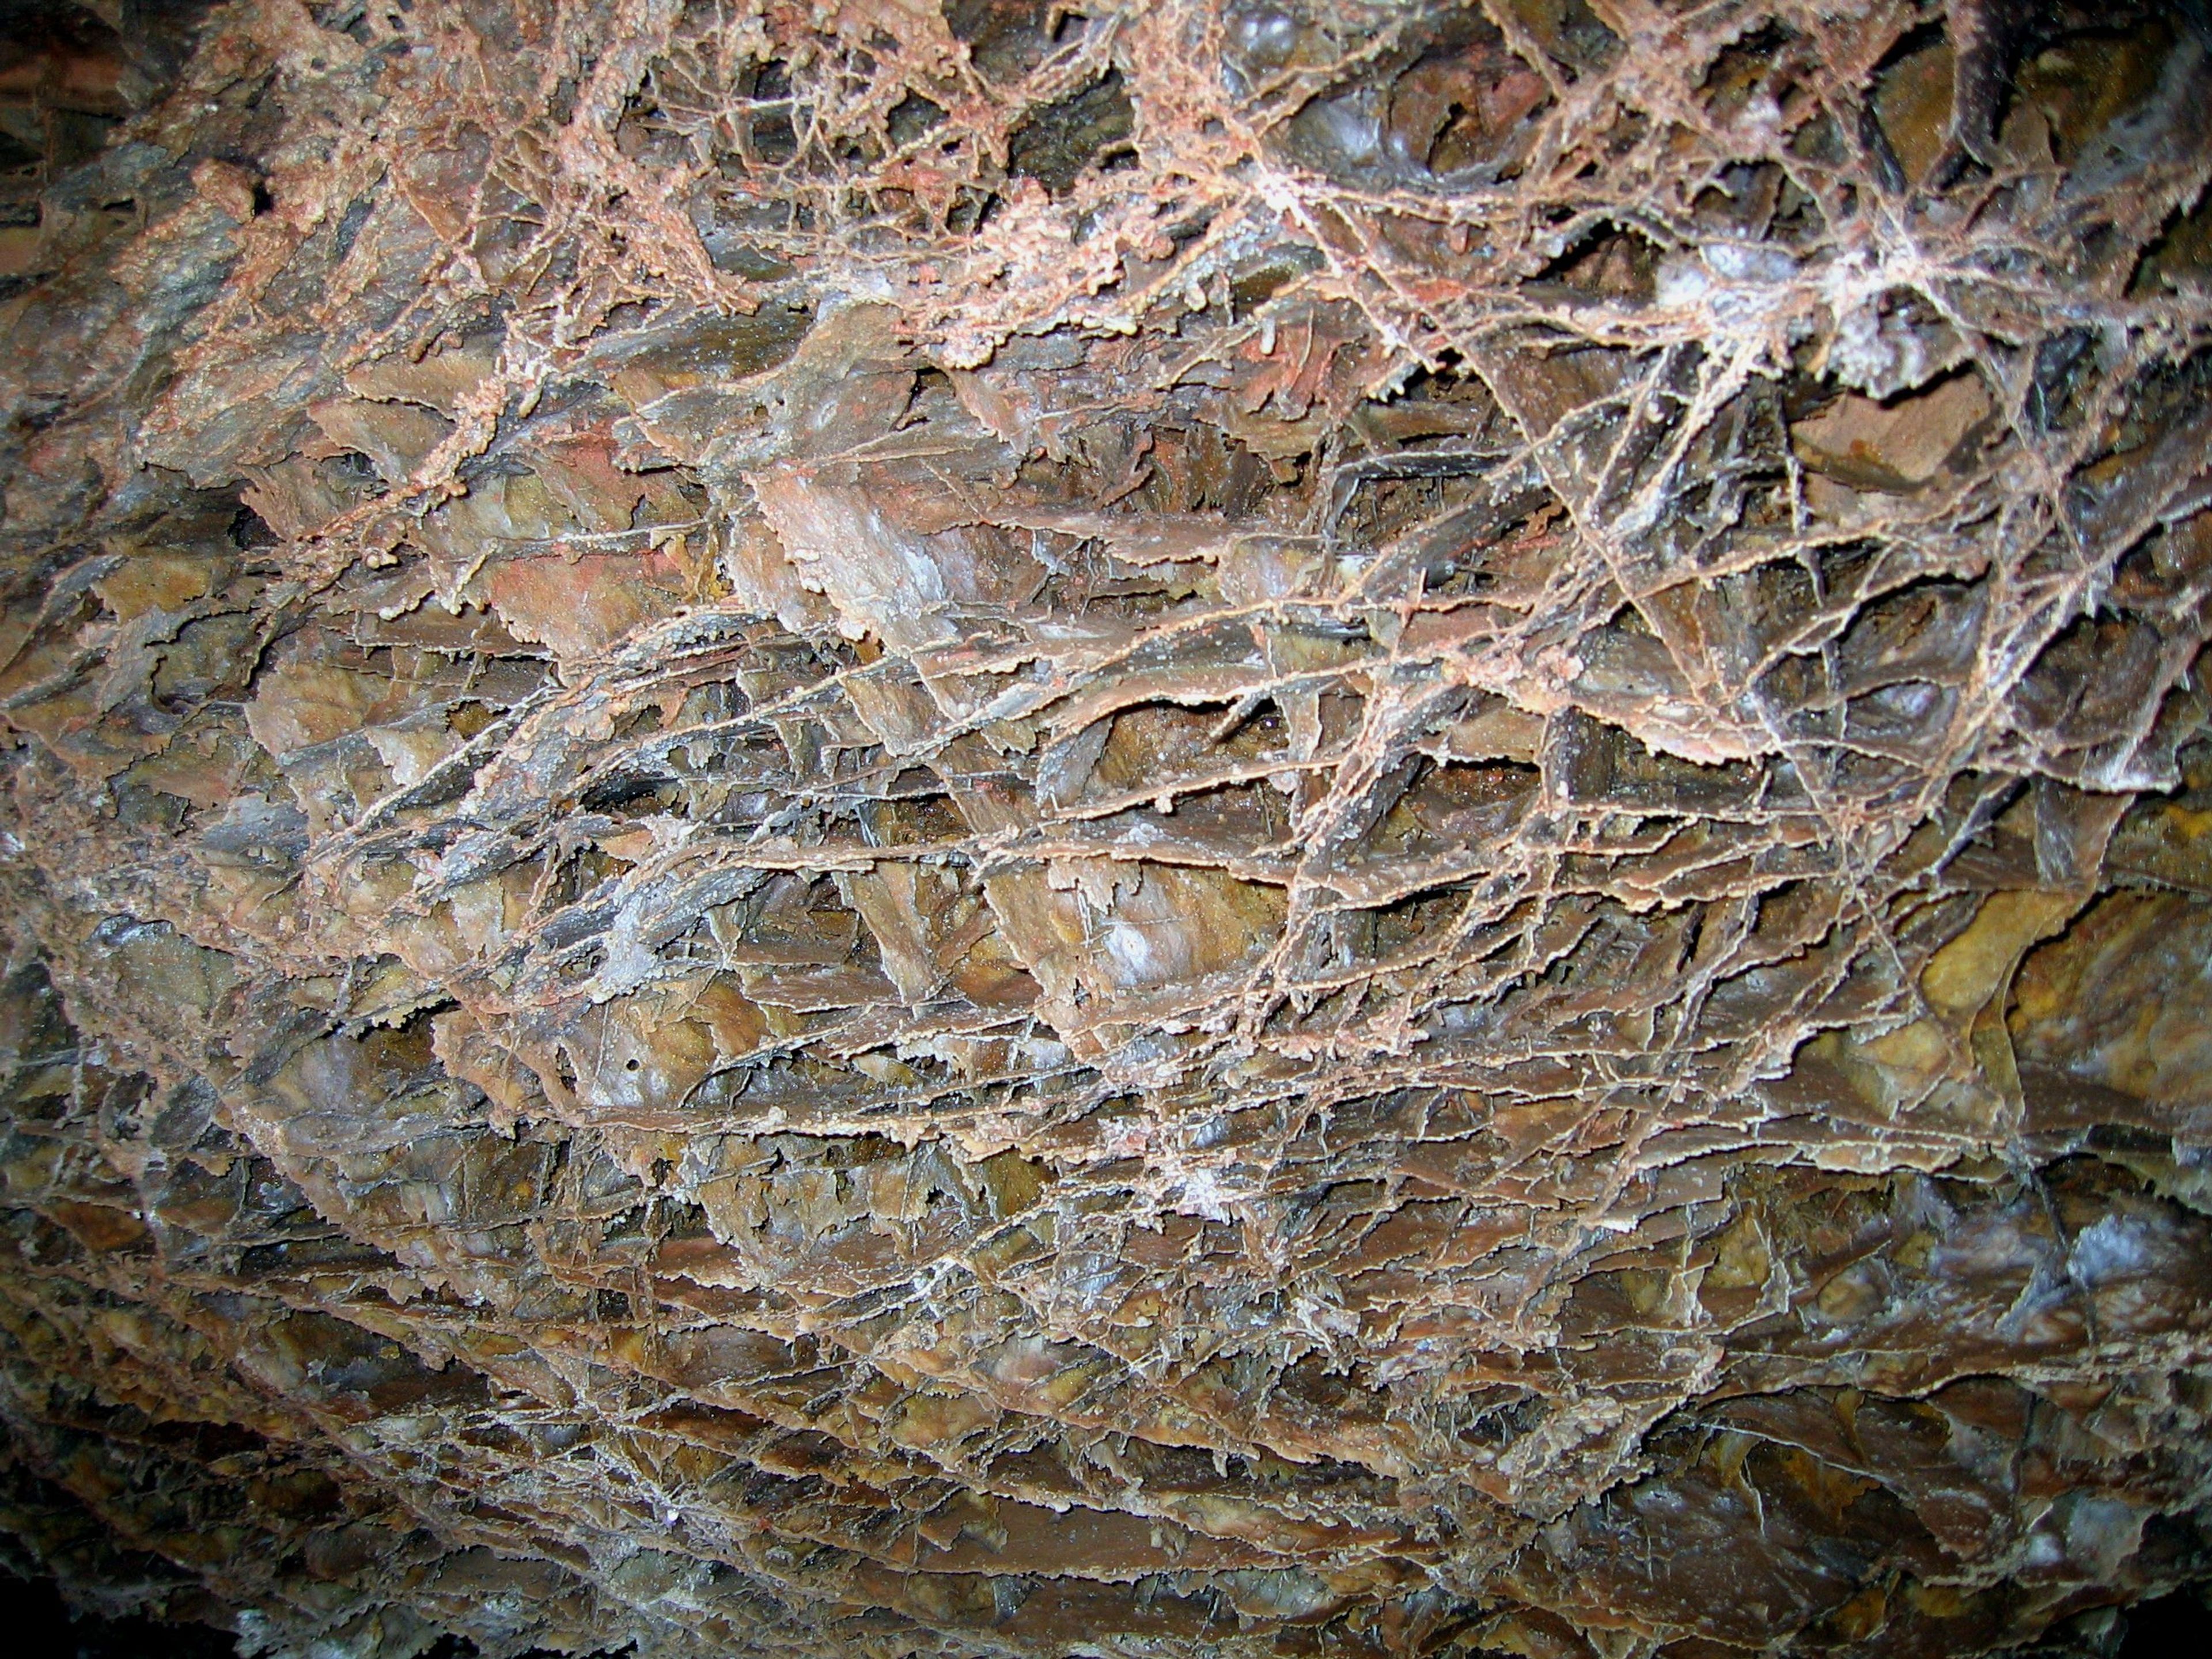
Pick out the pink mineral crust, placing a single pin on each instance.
(1139, 828)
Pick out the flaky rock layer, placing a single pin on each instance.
(869, 827)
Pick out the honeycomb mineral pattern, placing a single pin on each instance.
(1132, 829)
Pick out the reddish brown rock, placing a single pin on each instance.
(1184, 828)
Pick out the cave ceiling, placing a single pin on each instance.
(868, 828)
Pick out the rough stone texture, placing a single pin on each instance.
(1157, 829)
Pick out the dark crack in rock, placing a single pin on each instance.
(1138, 828)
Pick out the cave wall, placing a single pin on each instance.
(1183, 827)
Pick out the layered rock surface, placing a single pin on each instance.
(878, 828)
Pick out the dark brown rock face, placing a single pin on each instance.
(1132, 829)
